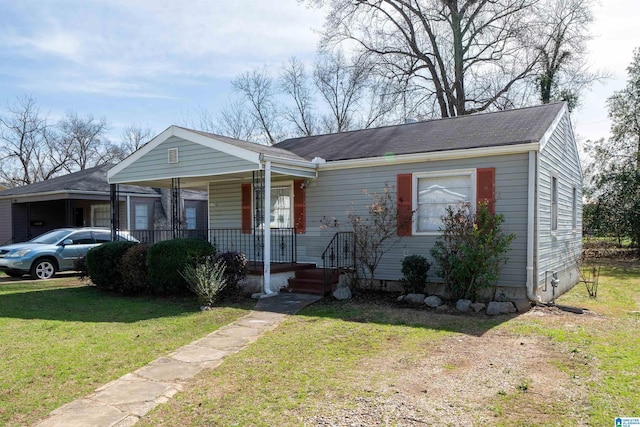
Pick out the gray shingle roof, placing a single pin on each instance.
(501, 128)
(251, 146)
(89, 180)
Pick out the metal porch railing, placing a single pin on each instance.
(248, 242)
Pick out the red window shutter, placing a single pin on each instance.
(485, 187)
(299, 206)
(246, 209)
(404, 192)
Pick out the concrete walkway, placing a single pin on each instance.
(124, 401)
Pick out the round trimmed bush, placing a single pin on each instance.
(166, 259)
(103, 264)
(133, 269)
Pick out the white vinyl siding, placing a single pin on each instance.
(434, 192)
(559, 223)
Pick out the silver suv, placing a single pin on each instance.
(56, 250)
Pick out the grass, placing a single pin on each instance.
(62, 339)
(331, 356)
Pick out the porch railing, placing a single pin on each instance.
(248, 242)
(339, 255)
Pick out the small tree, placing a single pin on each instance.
(375, 233)
(471, 250)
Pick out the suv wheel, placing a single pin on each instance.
(43, 269)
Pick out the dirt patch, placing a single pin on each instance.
(470, 380)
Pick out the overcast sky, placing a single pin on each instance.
(156, 63)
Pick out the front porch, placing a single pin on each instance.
(256, 195)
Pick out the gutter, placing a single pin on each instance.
(531, 222)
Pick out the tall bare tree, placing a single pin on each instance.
(258, 89)
(28, 145)
(295, 82)
(563, 35)
(134, 137)
(465, 56)
(341, 85)
(84, 141)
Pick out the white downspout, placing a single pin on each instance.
(128, 212)
(531, 221)
(267, 229)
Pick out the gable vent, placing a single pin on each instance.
(172, 155)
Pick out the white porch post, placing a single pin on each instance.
(267, 228)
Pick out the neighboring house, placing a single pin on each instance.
(82, 199)
(523, 162)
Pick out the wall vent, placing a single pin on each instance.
(172, 155)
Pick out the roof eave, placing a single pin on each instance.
(431, 156)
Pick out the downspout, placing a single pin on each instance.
(531, 221)
(266, 228)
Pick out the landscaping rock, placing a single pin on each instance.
(478, 306)
(496, 307)
(415, 299)
(401, 298)
(522, 305)
(433, 301)
(463, 305)
(342, 293)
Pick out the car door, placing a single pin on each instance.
(75, 246)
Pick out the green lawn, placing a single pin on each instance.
(61, 339)
(333, 357)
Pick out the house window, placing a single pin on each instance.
(141, 217)
(190, 216)
(434, 192)
(100, 215)
(554, 203)
(280, 211)
(574, 208)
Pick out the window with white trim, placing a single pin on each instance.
(190, 216)
(100, 215)
(281, 209)
(554, 203)
(574, 209)
(435, 191)
(141, 217)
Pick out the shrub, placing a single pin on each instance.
(103, 264)
(133, 269)
(80, 265)
(206, 279)
(414, 270)
(470, 250)
(166, 259)
(235, 271)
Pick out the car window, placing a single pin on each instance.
(81, 238)
(50, 237)
(102, 236)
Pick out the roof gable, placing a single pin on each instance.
(497, 129)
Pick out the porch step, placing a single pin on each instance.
(311, 281)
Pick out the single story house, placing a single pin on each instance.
(523, 162)
(82, 199)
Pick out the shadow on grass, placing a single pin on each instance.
(87, 304)
(386, 311)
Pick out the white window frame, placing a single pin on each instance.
(135, 216)
(470, 173)
(94, 208)
(574, 208)
(274, 185)
(554, 199)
